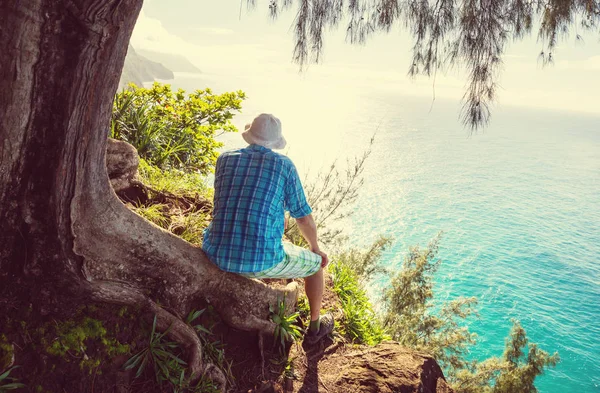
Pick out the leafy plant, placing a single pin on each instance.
(303, 307)
(161, 354)
(286, 329)
(213, 350)
(172, 130)
(287, 365)
(9, 383)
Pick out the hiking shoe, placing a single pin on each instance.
(325, 328)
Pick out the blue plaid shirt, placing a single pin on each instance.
(253, 188)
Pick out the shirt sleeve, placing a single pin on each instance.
(294, 198)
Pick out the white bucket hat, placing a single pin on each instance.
(265, 130)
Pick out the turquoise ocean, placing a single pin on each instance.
(519, 204)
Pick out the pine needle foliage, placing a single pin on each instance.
(515, 371)
(470, 34)
(414, 320)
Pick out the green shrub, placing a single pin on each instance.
(172, 130)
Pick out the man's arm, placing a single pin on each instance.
(308, 229)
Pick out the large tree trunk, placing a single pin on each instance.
(63, 231)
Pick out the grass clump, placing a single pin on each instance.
(360, 323)
(189, 184)
(157, 214)
(7, 382)
(190, 226)
(213, 350)
(350, 270)
(187, 224)
(161, 355)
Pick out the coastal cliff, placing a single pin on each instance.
(333, 365)
(139, 69)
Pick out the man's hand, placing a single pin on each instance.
(308, 229)
(324, 257)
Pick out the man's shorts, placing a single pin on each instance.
(298, 262)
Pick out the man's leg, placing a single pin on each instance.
(300, 262)
(313, 285)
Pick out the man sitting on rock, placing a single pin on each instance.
(254, 186)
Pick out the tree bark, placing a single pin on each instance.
(63, 230)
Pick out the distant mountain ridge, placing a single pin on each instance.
(174, 62)
(139, 69)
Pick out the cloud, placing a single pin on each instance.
(150, 34)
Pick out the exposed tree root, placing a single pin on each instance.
(139, 193)
(118, 293)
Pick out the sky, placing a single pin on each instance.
(225, 39)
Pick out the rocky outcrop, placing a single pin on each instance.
(341, 368)
(327, 367)
(385, 368)
(122, 162)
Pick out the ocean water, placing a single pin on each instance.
(519, 204)
(520, 210)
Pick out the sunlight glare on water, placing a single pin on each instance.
(519, 204)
